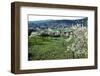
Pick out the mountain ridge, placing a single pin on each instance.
(56, 23)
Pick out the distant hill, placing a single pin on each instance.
(44, 24)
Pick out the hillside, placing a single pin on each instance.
(44, 24)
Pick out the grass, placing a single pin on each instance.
(47, 48)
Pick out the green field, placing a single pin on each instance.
(47, 48)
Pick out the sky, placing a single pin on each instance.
(48, 17)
